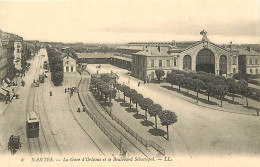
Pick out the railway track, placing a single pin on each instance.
(90, 105)
(85, 131)
(34, 145)
(46, 142)
(53, 147)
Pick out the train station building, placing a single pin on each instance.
(202, 55)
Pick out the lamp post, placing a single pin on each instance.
(129, 73)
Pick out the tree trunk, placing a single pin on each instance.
(124, 98)
(167, 133)
(179, 87)
(221, 102)
(130, 102)
(155, 121)
(246, 102)
(233, 98)
(146, 114)
(208, 96)
(197, 96)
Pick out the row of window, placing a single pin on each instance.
(256, 71)
(167, 63)
(251, 61)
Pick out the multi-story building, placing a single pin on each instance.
(201, 55)
(3, 62)
(248, 61)
(13, 45)
(18, 52)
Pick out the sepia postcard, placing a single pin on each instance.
(129, 83)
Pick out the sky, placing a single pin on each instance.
(122, 21)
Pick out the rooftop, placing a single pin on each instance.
(152, 53)
(93, 55)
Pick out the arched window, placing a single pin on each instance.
(251, 71)
(187, 62)
(223, 64)
(205, 61)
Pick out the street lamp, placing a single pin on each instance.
(129, 73)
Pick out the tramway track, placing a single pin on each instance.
(91, 105)
(85, 131)
(45, 124)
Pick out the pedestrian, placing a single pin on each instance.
(65, 90)
(50, 93)
(139, 83)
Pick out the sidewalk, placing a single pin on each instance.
(3, 105)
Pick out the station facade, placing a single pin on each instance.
(201, 55)
(69, 63)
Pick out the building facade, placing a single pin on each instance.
(3, 62)
(18, 53)
(201, 55)
(249, 61)
(69, 63)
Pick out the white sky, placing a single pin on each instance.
(119, 21)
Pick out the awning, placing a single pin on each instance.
(3, 92)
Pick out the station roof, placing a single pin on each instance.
(92, 55)
(151, 53)
(104, 56)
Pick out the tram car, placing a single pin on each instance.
(32, 125)
(41, 78)
(45, 65)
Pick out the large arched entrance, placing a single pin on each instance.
(222, 65)
(187, 62)
(205, 61)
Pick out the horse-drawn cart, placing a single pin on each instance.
(14, 143)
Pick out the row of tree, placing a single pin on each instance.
(104, 83)
(56, 66)
(103, 86)
(167, 117)
(213, 85)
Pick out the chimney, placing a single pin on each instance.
(248, 49)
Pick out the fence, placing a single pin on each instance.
(136, 136)
(129, 130)
(117, 143)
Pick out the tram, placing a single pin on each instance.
(32, 125)
(41, 78)
(45, 65)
